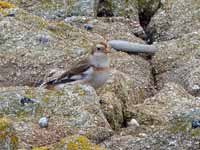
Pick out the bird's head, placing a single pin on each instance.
(100, 47)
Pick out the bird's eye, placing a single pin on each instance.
(98, 48)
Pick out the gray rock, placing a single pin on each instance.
(132, 47)
(73, 109)
(30, 47)
(82, 8)
(178, 61)
(43, 122)
(174, 19)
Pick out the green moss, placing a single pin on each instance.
(82, 143)
(40, 148)
(14, 140)
(179, 126)
(29, 93)
(195, 132)
(33, 21)
(4, 124)
(1, 98)
(5, 5)
(72, 146)
(49, 4)
(79, 90)
(62, 29)
(48, 94)
(76, 143)
(6, 132)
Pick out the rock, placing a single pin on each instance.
(156, 140)
(133, 122)
(171, 105)
(43, 122)
(147, 9)
(70, 19)
(74, 142)
(29, 48)
(195, 124)
(9, 139)
(111, 105)
(82, 8)
(68, 111)
(88, 26)
(45, 9)
(132, 47)
(25, 100)
(119, 28)
(126, 88)
(124, 8)
(174, 19)
(178, 61)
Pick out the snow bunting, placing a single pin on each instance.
(95, 70)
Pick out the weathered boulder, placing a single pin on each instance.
(76, 142)
(30, 47)
(167, 106)
(126, 88)
(46, 9)
(165, 123)
(158, 140)
(8, 138)
(119, 28)
(178, 61)
(173, 19)
(74, 110)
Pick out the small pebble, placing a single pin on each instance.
(43, 122)
(43, 39)
(195, 124)
(196, 87)
(88, 26)
(133, 122)
(70, 19)
(25, 100)
(142, 135)
(11, 15)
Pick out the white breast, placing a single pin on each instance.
(99, 60)
(99, 78)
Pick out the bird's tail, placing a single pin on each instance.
(48, 85)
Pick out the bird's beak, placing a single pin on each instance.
(107, 50)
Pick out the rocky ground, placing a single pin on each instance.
(150, 102)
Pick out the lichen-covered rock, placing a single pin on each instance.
(82, 7)
(168, 106)
(119, 28)
(158, 140)
(178, 61)
(174, 19)
(76, 142)
(5, 5)
(126, 88)
(30, 47)
(8, 138)
(117, 8)
(75, 107)
(47, 9)
(165, 123)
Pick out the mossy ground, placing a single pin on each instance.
(4, 5)
(81, 143)
(6, 132)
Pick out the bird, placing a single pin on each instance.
(93, 71)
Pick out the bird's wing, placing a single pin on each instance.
(74, 73)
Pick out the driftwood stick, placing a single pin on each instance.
(126, 46)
